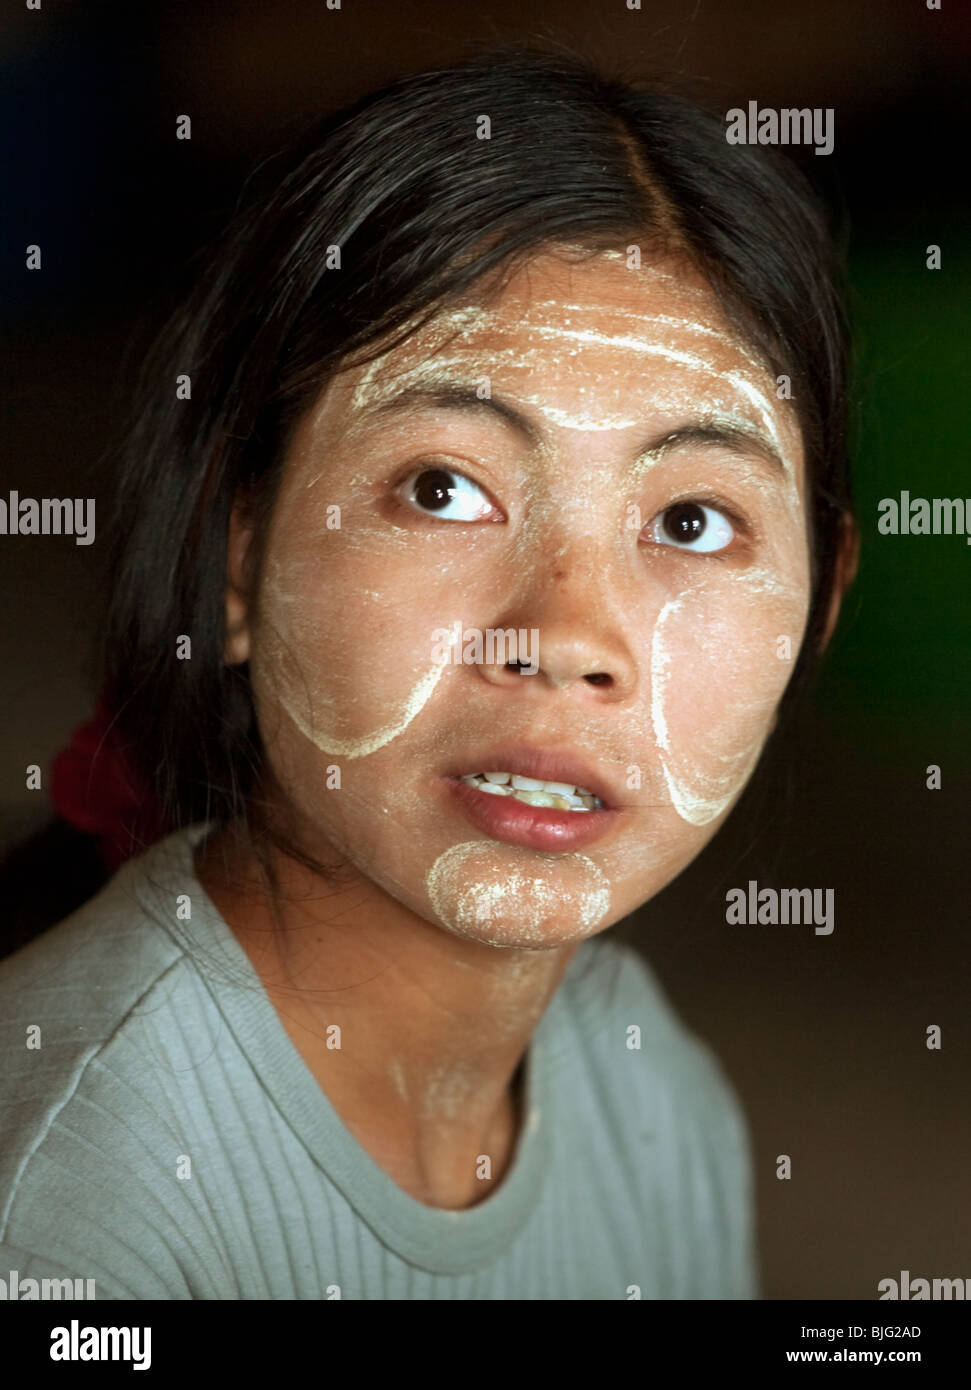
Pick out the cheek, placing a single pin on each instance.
(345, 641)
(357, 627)
(720, 662)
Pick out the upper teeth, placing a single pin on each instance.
(560, 796)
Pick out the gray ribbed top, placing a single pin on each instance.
(167, 1139)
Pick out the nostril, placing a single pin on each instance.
(598, 678)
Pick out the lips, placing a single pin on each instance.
(533, 827)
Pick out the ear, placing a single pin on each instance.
(236, 648)
(847, 564)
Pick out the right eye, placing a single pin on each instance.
(450, 496)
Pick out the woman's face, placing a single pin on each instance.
(596, 462)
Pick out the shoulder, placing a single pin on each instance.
(79, 1098)
(617, 1012)
(65, 995)
(613, 998)
(664, 1108)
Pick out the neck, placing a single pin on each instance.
(415, 1035)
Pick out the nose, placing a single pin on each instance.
(577, 642)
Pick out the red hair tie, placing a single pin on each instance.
(94, 788)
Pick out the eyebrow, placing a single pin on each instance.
(455, 396)
(734, 435)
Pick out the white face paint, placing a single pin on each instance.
(702, 787)
(318, 714)
(632, 392)
(681, 342)
(509, 896)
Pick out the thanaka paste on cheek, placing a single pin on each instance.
(316, 718)
(715, 685)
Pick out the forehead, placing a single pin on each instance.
(562, 283)
(587, 343)
(584, 313)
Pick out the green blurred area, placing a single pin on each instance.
(898, 678)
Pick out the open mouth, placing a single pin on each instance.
(533, 812)
(533, 791)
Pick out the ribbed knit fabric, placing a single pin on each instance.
(158, 1046)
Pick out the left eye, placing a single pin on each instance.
(691, 526)
(443, 493)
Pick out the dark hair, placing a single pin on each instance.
(422, 210)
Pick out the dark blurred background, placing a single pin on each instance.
(823, 1037)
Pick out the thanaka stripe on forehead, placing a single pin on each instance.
(732, 433)
(443, 371)
(681, 325)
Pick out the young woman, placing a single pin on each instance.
(486, 505)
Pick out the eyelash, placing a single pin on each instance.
(436, 466)
(719, 504)
(740, 522)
